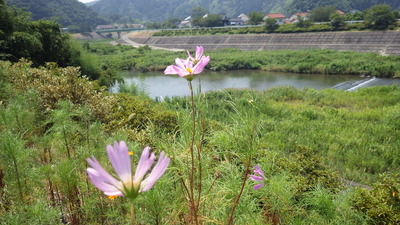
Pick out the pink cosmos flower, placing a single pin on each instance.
(260, 178)
(127, 185)
(187, 68)
(199, 54)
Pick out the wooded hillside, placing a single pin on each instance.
(66, 12)
(160, 10)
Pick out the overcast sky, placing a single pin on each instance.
(85, 1)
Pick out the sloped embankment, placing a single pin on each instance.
(383, 42)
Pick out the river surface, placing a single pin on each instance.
(158, 85)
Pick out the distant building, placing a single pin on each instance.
(236, 21)
(244, 17)
(280, 18)
(240, 20)
(340, 12)
(294, 18)
(185, 24)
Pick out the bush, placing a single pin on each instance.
(382, 203)
(133, 112)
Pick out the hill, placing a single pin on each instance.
(160, 10)
(66, 12)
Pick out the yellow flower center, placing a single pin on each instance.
(130, 153)
(189, 70)
(112, 197)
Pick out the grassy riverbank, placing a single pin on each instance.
(302, 61)
(305, 141)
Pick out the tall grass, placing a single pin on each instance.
(306, 142)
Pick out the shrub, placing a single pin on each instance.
(133, 112)
(55, 84)
(382, 203)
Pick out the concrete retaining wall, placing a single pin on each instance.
(383, 42)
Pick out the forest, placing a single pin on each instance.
(65, 12)
(159, 10)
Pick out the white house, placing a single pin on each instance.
(280, 18)
(295, 17)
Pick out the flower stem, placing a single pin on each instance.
(132, 213)
(192, 174)
(246, 174)
(236, 203)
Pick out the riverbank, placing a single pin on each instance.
(309, 61)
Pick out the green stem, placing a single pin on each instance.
(192, 175)
(246, 174)
(132, 213)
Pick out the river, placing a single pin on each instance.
(158, 85)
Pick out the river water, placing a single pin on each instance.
(158, 85)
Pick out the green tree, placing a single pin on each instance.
(322, 14)
(355, 16)
(396, 14)
(198, 11)
(24, 45)
(379, 16)
(302, 22)
(153, 25)
(39, 41)
(271, 24)
(171, 23)
(255, 18)
(55, 44)
(337, 20)
(213, 20)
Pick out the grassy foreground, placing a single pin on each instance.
(303, 61)
(306, 142)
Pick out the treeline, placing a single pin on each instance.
(42, 42)
(159, 10)
(66, 12)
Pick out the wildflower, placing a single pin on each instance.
(127, 185)
(199, 54)
(187, 68)
(260, 178)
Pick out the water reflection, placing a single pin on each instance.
(156, 84)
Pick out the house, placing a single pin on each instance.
(294, 18)
(340, 12)
(280, 18)
(224, 20)
(185, 24)
(236, 21)
(244, 17)
(240, 20)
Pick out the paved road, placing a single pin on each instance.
(126, 41)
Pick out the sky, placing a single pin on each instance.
(85, 1)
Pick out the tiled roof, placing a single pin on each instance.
(276, 15)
